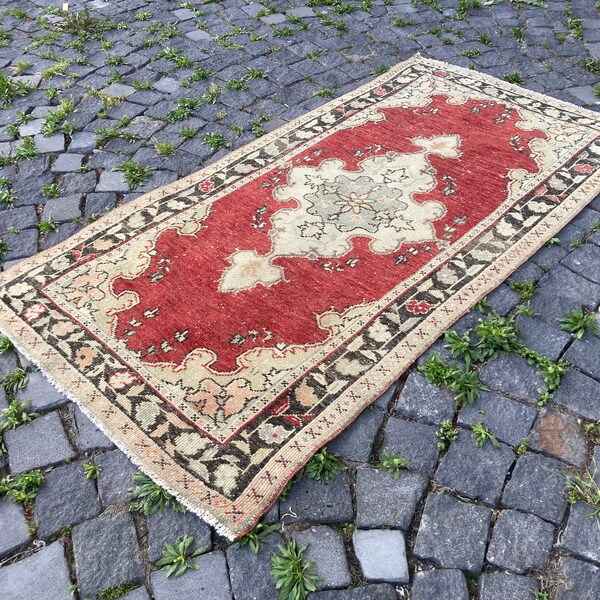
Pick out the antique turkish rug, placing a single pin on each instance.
(223, 328)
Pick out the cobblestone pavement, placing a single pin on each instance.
(173, 86)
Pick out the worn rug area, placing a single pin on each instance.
(223, 328)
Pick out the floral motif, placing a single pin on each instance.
(418, 307)
(121, 380)
(34, 312)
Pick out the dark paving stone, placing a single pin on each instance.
(20, 245)
(250, 573)
(512, 375)
(381, 591)
(560, 436)
(382, 555)
(541, 337)
(561, 290)
(509, 420)
(422, 401)
(137, 594)
(22, 218)
(88, 436)
(412, 441)
(41, 393)
(520, 542)
(452, 533)
(504, 586)
(477, 473)
(209, 581)
(38, 444)
(326, 549)
(167, 527)
(449, 584)
(585, 261)
(356, 442)
(582, 534)
(383, 501)
(503, 299)
(537, 486)
(43, 576)
(66, 498)
(62, 210)
(319, 501)
(13, 525)
(579, 393)
(585, 355)
(115, 478)
(579, 580)
(106, 553)
(98, 204)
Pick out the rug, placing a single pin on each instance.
(221, 329)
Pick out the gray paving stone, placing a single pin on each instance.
(384, 399)
(582, 534)
(503, 299)
(512, 375)
(509, 420)
(66, 498)
(83, 141)
(537, 486)
(13, 525)
(541, 337)
(22, 218)
(38, 444)
(52, 144)
(379, 591)
(505, 586)
(477, 473)
(560, 436)
(561, 290)
(111, 181)
(520, 542)
(412, 441)
(449, 584)
(118, 90)
(115, 478)
(356, 441)
(137, 594)
(579, 580)
(209, 581)
(453, 533)
(63, 209)
(41, 394)
(66, 163)
(383, 501)
(167, 527)
(77, 183)
(106, 553)
(579, 393)
(585, 355)
(422, 401)
(250, 573)
(20, 245)
(382, 555)
(88, 436)
(43, 576)
(585, 261)
(198, 35)
(319, 501)
(98, 204)
(326, 549)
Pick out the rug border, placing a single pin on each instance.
(579, 198)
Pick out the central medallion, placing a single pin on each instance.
(334, 205)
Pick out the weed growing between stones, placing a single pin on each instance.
(16, 380)
(47, 226)
(23, 487)
(15, 414)
(5, 344)
(91, 471)
(584, 488)
(294, 578)
(393, 463)
(593, 430)
(134, 173)
(481, 434)
(177, 559)
(116, 591)
(323, 466)
(579, 322)
(256, 536)
(149, 498)
(446, 433)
